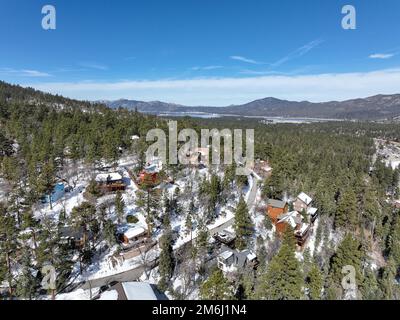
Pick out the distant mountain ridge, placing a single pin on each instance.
(379, 107)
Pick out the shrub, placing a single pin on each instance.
(132, 219)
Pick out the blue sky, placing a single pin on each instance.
(208, 52)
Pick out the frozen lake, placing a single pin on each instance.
(205, 115)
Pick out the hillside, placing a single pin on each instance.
(15, 94)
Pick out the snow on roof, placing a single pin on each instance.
(266, 168)
(139, 291)
(305, 198)
(226, 254)
(134, 232)
(112, 176)
(109, 295)
(304, 227)
(395, 164)
(312, 211)
(251, 256)
(292, 218)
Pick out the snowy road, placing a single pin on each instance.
(250, 204)
(130, 275)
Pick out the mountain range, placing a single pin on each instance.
(379, 107)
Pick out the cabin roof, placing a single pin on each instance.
(312, 211)
(134, 232)
(276, 203)
(133, 291)
(305, 198)
(226, 255)
(293, 218)
(105, 177)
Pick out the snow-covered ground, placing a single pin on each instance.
(78, 294)
(389, 152)
(110, 264)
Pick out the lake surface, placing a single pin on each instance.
(205, 115)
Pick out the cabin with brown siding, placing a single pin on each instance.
(275, 208)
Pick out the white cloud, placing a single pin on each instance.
(94, 65)
(24, 72)
(206, 68)
(226, 91)
(244, 59)
(381, 56)
(299, 52)
(34, 73)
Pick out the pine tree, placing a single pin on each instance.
(8, 245)
(109, 233)
(93, 188)
(214, 190)
(166, 261)
(314, 283)
(346, 213)
(216, 287)
(273, 186)
(166, 203)
(189, 224)
(26, 282)
(82, 216)
(149, 202)
(261, 251)
(63, 263)
(318, 236)
(393, 241)
(119, 206)
(243, 225)
(229, 176)
(371, 210)
(370, 288)
(33, 225)
(348, 253)
(267, 222)
(47, 180)
(283, 279)
(388, 280)
(202, 241)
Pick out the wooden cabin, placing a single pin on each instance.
(149, 178)
(110, 182)
(230, 261)
(295, 220)
(275, 208)
(303, 203)
(262, 169)
(74, 238)
(302, 232)
(134, 236)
